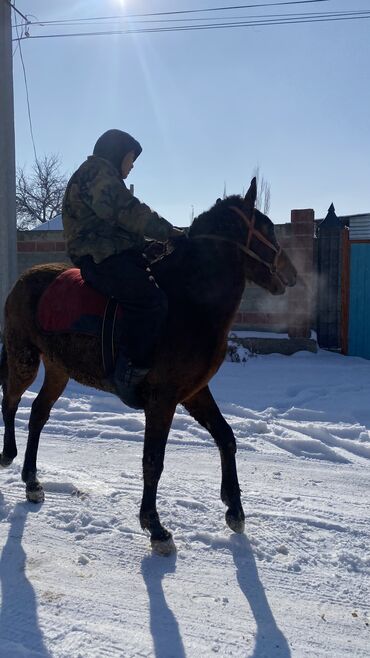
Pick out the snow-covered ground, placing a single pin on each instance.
(77, 576)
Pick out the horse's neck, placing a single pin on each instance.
(227, 289)
(210, 277)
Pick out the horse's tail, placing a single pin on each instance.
(3, 366)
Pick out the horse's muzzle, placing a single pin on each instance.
(285, 270)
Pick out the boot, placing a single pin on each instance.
(126, 379)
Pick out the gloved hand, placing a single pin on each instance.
(177, 237)
(154, 250)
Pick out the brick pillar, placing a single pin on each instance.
(301, 297)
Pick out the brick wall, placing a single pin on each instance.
(36, 247)
(293, 312)
(290, 313)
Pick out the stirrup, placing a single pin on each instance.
(126, 379)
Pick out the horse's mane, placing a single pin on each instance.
(219, 220)
(187, 270)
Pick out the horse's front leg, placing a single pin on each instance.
(205, 410)
(159, 416)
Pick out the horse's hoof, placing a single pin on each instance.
(236, 521)
(163, 548)
(5, 461)
(35, 493)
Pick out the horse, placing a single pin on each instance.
(204, 279)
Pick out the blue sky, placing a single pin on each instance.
(207, 106)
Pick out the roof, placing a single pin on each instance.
(54, 224)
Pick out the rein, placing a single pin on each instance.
(246, 249)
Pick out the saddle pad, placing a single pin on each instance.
(69, 305)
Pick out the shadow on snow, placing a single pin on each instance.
(19, 626)
(163, 623)
(269, 641)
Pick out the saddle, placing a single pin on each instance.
(69, 305)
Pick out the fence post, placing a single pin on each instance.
(328, 321)
(345, 283)
(301, 297)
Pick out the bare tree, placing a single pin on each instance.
(40, 194)
(263, 192)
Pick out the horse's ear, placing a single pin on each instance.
(218, 201)
(250, 198)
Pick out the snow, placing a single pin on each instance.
(77, 576)
(239, 333)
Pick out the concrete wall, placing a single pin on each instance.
(290, 313)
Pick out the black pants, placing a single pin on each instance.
(126, 278)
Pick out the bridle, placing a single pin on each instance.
(252, 232)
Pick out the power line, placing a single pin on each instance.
(254, 17)
(26, 87)
(180, 11)
(17, 11)
(210, 26)
(287, 16)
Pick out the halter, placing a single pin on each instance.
(252, 231)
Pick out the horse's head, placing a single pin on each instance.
(236, 220)
(267, 264)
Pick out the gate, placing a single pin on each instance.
(359, 301)
(329, 248)
(356, 328)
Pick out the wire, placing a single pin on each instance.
(182, 11)
(26, 87)
(211, 26)
(17, 10)
(234, 18)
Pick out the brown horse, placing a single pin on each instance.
(204, 280)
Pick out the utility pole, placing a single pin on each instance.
(8, 226)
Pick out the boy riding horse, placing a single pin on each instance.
(105, 227)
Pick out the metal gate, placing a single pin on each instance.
(359, 300)
(356, 287)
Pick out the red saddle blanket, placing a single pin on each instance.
(69, 305)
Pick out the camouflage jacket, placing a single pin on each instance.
(101, 217)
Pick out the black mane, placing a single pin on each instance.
(188, 272)
(221, 220)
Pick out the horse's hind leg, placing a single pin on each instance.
(19, 371)
(205, 410)
(54, 384)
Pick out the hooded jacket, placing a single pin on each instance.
(100, 215)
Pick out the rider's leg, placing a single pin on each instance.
(128, 279)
